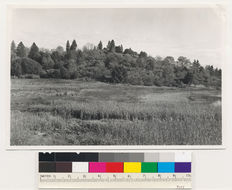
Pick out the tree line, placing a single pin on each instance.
(112, 64)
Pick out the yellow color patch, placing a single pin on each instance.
(132, 167)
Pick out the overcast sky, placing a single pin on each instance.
(196, 33)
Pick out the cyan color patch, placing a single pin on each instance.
(166, 167)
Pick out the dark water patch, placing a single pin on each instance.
(204, 98)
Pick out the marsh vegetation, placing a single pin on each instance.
(76, 112)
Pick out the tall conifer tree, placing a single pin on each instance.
(21, 50)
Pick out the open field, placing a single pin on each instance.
(71, 112)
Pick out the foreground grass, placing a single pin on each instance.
(76, 113)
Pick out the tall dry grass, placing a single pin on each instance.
(40, 117)
(164, 127)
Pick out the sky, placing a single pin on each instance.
(197, 33)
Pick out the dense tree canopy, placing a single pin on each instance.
(111, 64)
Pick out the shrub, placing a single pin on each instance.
(30, 66)
(47, 61)
(119, 74)
(53, 73)
(65, 74)
(74, 75)
(16, 67)
(148, 78)
(134, 78)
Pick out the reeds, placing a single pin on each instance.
(46, 119)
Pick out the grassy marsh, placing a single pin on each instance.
(72, 112)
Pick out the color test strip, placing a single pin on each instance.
(132, 167)
(116, 157)
(115, 162)
(115, 167)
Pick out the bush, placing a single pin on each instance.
(30, 66)
(44, 74)
(65, 74)
(74, 75)
(119, 74)
(54, 73)
(134, 78)
(47, 61)
(16, 67)
(148, 78)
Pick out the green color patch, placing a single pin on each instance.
(149, 167)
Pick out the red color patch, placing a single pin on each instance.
(114, 167)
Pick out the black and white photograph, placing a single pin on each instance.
(116, 76)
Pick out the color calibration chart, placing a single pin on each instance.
(115, 170)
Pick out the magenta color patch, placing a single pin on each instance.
(97, 167)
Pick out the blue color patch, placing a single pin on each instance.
(166, 167)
